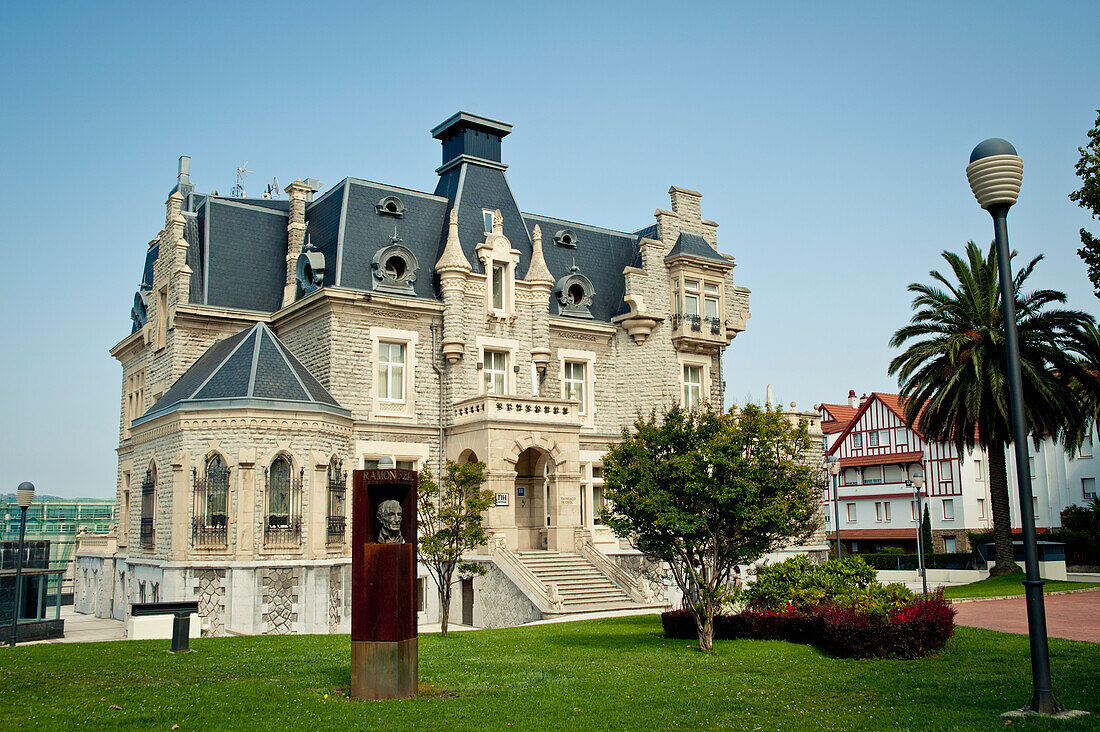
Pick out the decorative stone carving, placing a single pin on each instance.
(335, 598)
(280, 599)
(394, 268)
(389, 523)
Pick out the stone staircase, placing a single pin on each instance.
(583, 588)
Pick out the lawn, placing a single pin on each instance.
(611, 674)
(1009, 584)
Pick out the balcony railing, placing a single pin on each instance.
(283, 494)
(210, 525)
(511, 408)
(337, 493)
(281, 532)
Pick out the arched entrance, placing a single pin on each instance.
(534, 474)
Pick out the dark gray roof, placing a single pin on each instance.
(250, 369)
(693, 245)
(244, 255)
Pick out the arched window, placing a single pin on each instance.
(148, 506)
(283, 504)
(337, 506)
(211, 522)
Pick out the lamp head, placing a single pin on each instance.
(995, 173)
(917, 476)
(24, 494)
(832, 464)
(385, 462)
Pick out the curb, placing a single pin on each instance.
(961, 600)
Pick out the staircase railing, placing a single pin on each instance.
(545, 593)
(639, 590)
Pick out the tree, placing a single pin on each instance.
(926, 533)
(1088, 198)
(954, 372)
(450, 525)
(704, 491)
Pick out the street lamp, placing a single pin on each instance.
(832, 464)
(915, 481)
(24, 494)
(995, 173)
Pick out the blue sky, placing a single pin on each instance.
(829, 141)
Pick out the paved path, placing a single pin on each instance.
(1075, 616)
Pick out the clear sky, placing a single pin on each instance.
(829, 141)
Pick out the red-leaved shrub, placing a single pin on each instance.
(914, 631)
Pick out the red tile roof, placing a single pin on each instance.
(887, 459)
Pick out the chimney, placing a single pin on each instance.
(685, 204)
(466, 135)
(183, 177)
(852, 399)
(862, 399)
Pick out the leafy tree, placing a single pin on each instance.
(705, 491)
(450, 525)
(1088, 198)
(926, 534)
(954, 373)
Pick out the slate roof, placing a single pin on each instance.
(693, 245)
(250, 369)
(237, 246)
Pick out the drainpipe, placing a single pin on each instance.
(439, 372)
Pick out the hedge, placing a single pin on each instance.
(911, 632)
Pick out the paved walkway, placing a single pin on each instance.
(1075, 616)
(80, 628)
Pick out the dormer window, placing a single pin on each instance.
(390, 206)
(565, 238)
(499, 274)
(394, 269)
(573, 293)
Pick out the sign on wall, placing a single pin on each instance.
(502, 499)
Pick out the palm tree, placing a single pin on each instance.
(954, 374)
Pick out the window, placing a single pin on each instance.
(371, 463)
(1031, 467)
(597, 504)
(135, 399)
(691, 297)
(1034, 506)
(693, 386)
(886, 511)
(421, 593)
(710, 301)
(494, 368)
(597, 472)
(851, 476)
(148, 507)
(487, 220)
(872, 474)
(857, 440)
(981, 508)
(878, 511)
(337, 479)
(1085, 450)
(210, 525)
(283, 502)
(575, 383)
(872, 439)
(949, 544)
(948, 509)
(162, 317)
(851, 509)
(391, 371)
(498, 286)
(1088, 488)
(913, 511)
(978, 475)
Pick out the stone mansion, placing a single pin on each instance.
(279, 343)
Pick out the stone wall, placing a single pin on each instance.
(498, 603)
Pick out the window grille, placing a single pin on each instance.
(337, 506)
(283, 499)
(210, 526)
(148, 507)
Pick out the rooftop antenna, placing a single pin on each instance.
(272, 189)
(242, 171)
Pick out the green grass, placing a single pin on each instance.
(611, 674)
(1007, 585)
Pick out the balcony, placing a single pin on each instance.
(508, 408)
(699, 334)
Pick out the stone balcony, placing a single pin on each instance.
(699, 334)
(510, 408)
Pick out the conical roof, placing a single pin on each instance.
(250, 369)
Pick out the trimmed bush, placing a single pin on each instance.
(918, 629)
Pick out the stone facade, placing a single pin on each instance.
(484, 345)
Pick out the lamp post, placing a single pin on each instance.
(24, 494)
(915, 481)
(832, 464)
(995, 173)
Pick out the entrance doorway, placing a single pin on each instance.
(468, 601)
(533, 481)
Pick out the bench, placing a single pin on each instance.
(181, 623)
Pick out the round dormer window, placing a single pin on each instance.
(395, 267)
(576, 293)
